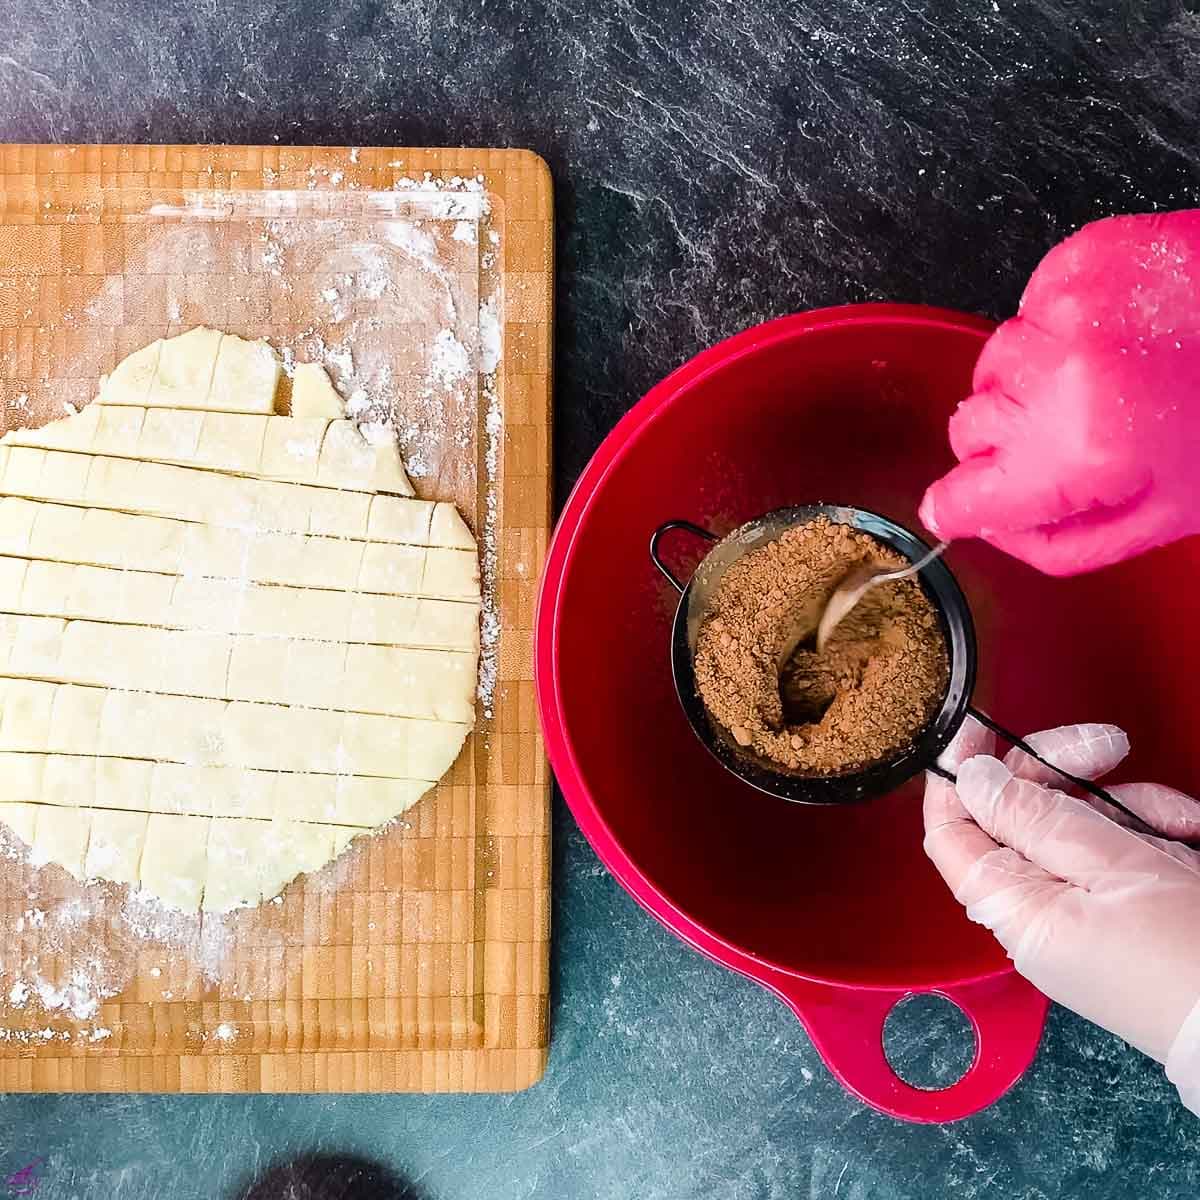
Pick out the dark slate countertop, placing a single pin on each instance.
(716, 164)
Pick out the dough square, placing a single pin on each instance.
(133, 377)
(45, 586)
(171, 434)
(22, 775)
(117, 842)
(21, 819)
(245, 376)
(236, 849)
(61, 836)
(175, 859)
(184, 375)
(13, 574)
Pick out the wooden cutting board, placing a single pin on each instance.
(419, 960)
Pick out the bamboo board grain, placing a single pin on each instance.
(424, 965)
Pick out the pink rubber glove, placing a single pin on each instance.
(1103, 918)
(1078, 447)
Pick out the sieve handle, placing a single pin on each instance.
(846, 1026)
(1013, 739)
(656, 538)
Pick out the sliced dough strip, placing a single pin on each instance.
(97, 537)
(313, 450)
(227, 501)
(132, 785)
(181, 493)
(436, 685)
(72, 720)
(200, 369)
(123, 597)
(187, 861)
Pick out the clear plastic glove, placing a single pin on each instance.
(1102, 916)
(1078, 445)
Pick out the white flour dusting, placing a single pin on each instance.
(450, 363)
(489, 630)
(414, 240)
(490, 341)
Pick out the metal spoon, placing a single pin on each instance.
(855, 585)
(850, 590)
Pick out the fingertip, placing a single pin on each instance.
(928, 514)
(981, 782)
(948, 509)
(985, 421)
(1087, 750)
(971, 739)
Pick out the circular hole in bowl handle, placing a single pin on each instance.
(846, 1026)
(928, 1041)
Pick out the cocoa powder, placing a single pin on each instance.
(863, 700)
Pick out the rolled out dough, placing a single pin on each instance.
(230, 640)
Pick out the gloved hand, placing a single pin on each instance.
(1101, 916)
(1078, 446)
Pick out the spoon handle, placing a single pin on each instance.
(852, 589)
(913, 568)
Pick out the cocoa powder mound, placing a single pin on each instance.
(881, 676)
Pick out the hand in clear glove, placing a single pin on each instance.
(1101, 916)
(1078, 446)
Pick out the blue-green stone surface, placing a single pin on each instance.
(716, 163)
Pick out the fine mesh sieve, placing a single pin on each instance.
(958, 631)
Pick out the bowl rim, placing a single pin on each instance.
(571, 777)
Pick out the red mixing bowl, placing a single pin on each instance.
(837, 910)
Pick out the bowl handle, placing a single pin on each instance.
(846, 1026)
